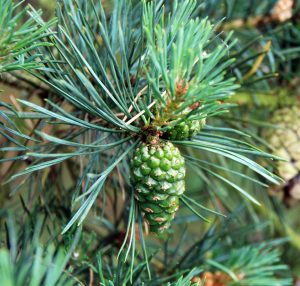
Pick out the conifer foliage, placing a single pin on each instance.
(133, 93)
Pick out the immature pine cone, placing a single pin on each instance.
(185, 129)
(158, 173)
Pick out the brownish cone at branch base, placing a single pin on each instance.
(213, 279)
(285, 140)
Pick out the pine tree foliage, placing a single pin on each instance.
(215, 252)
(115, 78)
(19, 37)
(261, 34)
(73, 83)
(27, 262)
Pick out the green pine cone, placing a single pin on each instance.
(158, 173)
(286, 140)
(185, 129)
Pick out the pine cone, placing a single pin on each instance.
(185, 130)
(158, 173)
(283, 10)
(286, 141)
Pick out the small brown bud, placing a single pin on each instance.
(133, 80)
(181, 88)
(197, 281)
(195, 105)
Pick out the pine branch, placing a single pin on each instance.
(19, 36)
(117, 85)
(34, 263)
(178, 72)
